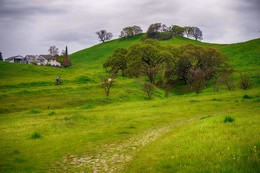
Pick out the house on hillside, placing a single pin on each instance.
(50, 60)
(35, 59)
(15, 59)
(41, 60)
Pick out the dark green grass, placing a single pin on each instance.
(229, 119)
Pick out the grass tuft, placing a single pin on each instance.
(36, 135)
(247, 97)
(87, 106)
(34, 111)
(214, 99)
(205, 117)
(229, 119)
(194, 101)
(51, 113)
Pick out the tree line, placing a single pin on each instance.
(157, 31)
(166, 66)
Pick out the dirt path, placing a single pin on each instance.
(113, 158)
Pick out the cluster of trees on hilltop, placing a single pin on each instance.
(157, 31)
(162, 32)
(165, 66)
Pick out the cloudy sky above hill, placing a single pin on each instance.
(32, 26)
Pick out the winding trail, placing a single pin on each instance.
(113, 158)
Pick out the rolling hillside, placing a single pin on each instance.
(74, 127)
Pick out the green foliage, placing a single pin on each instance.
(177, 30)
(117, 62)
(60, 59)
(194, 65)
(229, 119)
(158, 31)
(146, 59)
(189, 31)
(130, 31)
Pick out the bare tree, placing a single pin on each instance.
(53, 50)
(106, 83)
(103, 35)
(197, 33)
(245, 82)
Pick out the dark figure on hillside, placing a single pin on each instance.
(58, 80)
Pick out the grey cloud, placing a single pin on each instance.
(68, 37)
(251, 5)
(28, 11)
(15, 10)
(41, 23)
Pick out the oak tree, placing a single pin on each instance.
(103, 35)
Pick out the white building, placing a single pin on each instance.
(15, 59)
(34, 59)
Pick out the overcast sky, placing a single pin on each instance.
(32, 26)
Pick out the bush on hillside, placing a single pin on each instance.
(245, 81)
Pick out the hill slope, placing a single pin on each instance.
(74, 127)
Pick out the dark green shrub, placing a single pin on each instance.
(229, 119)
(36, 135)
(247, 97)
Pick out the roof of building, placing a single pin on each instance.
(14, 57)
(48, 57)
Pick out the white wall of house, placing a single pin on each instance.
(53, 62)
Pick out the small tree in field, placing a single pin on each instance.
(106, 83)
(226, 77)
(149, 89)
(245, 81)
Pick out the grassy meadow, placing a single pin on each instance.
(74, 127)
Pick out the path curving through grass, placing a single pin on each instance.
(113, 157)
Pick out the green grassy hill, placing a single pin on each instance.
(74, 127)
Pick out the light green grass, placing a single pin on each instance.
(76, 118)
(208, 145)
